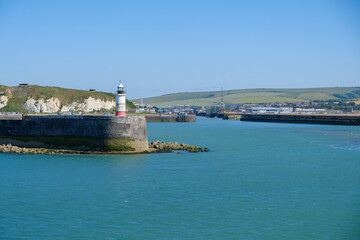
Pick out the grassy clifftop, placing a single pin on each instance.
(255, 96)
(19, 95)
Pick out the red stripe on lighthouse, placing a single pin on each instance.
(120, 114)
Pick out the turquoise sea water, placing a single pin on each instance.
(260, 181)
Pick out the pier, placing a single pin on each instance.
(83, 132)
(168, 117)
(332, 119)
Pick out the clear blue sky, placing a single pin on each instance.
(160, 47)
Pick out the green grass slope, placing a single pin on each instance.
(254, 96)
(19, 95)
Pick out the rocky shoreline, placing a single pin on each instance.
(163, 147)
(154, 147)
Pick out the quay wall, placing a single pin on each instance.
(232, 116)
(333, 119)
(86, 132)
(169, 118)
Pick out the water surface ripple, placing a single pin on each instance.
(260, 181)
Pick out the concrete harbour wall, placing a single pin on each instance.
(334, 119)
(169, 118)
(78, 132)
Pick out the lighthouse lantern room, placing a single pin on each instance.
(120, 101)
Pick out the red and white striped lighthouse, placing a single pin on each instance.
(120, 101)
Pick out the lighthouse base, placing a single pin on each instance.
(120, 114)
(76, 132)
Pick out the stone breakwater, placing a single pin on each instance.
(8, 148)
(106, 133)
(168, 147)
(50, 134)
(169, 118)
(333, 119)
(153, 147)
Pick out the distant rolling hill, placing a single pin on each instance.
(254, 96)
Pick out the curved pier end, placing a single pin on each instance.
(84, 132)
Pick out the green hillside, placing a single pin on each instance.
(254, 96)
(19, 95)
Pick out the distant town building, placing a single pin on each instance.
(310, 110)
(263, 110)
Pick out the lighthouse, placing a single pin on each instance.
(120, 101)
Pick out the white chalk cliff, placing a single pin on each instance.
(51, 105)
(3, 101)
(54, 105)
